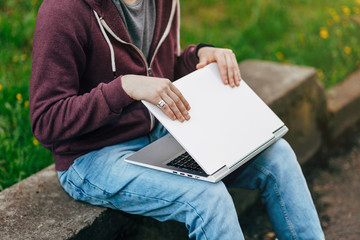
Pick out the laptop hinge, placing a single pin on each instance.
(254, 153)
(278, 133)
(221, 170)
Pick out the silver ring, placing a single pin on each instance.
(161, 104)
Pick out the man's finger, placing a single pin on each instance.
(179, 94)
(221, 61)
(236, 70)
(230, 70)
(173, 107)
(180, 106)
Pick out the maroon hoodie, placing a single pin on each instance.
(76, 104)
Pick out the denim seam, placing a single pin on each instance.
(276, 189)
(89, 196)
(90, 183)
(177, 202)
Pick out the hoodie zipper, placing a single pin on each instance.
(162, 39)
(102, 23)
(108, 29)
(148, 68)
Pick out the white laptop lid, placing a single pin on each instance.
(226, 123)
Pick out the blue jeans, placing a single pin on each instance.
(103, 178)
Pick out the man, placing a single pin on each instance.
(93, 60)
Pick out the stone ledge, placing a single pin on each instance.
(294, 93)
(38, 208)
(343, 105)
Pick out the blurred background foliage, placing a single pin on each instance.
(324, 34)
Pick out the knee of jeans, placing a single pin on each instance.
(213, 209)
(216, 196)
(280, 160)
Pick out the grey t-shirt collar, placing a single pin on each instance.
(139, 19)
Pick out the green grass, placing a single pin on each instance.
(20, 153)
(275, 30)
(278, 30)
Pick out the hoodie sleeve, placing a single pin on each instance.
(58, 110)
(186, 62)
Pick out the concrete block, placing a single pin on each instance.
(38, 208)
(294, 93)
(344, 105)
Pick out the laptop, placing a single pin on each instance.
(227, 128)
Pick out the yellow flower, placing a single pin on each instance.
(332, 11)
(26, 103)
(0, 87)
(336, 18)
(279, 56)
(23, 57)
(356, 10)
(347, 49)
(358, 1)
(35, 142)
(18, 96)
(324, 34)
(320, 74)
(334, 15)
(346, 10)
(15, 59)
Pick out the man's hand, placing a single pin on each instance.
(154, 90)
(226, 60)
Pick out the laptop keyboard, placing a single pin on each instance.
(185, 161)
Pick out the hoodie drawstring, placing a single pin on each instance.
(104, 27)
(113, 66)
